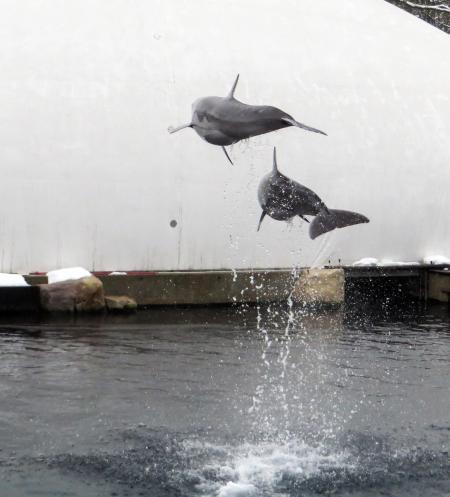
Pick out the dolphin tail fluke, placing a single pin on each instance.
(328, 220)
(292, 122)
(263, 215)
(171, 129)
(228, 157)
(231, 94)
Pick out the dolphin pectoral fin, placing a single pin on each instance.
(171, 129)
(228, 157)
(231, 94)
(263, 215)
(304, 218)
(295, 123)
(329, 220)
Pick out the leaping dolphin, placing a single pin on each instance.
(283, 198)
(224, 120)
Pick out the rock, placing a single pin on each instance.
(89, 295)
(59, 297)
(320, 287)
(82, 295)
(120, 303)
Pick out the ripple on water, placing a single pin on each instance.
(329, 407)
(163, 465)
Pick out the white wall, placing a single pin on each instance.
(90, 176)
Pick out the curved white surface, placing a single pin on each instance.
(91, 177)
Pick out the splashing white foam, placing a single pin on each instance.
(262, 467)
(232, 489)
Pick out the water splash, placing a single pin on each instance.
(262, 469)
(162, 466)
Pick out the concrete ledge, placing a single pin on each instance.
(19, 298)
(253, 286)
(202, 287)
(439, 285)
(415, 270)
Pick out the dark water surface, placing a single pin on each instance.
(227, 403)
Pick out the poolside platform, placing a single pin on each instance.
(249, 286)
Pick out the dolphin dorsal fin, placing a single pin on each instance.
(275, 165)
(231, 94)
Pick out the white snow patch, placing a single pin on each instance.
(386, 263)
(436, 259)
(389, 263)
(366, 261)
(69, 273)
(371, 261)
(7, 279)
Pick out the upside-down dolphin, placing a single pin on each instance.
(224, 120)
(283, 198)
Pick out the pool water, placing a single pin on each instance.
(227, 402)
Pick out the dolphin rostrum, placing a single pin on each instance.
(282, 199)
(224, 120)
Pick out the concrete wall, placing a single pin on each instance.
(439, 286)
(90, 176)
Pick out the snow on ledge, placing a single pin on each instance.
(436, 259)
(69, 273)
(7, 279)
(391, 263)
(366, 261)
(372, 262)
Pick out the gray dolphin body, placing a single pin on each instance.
(224, 120)
(282, 199)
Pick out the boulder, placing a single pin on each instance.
(320, 287)
(120, 303)
(82, 295)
